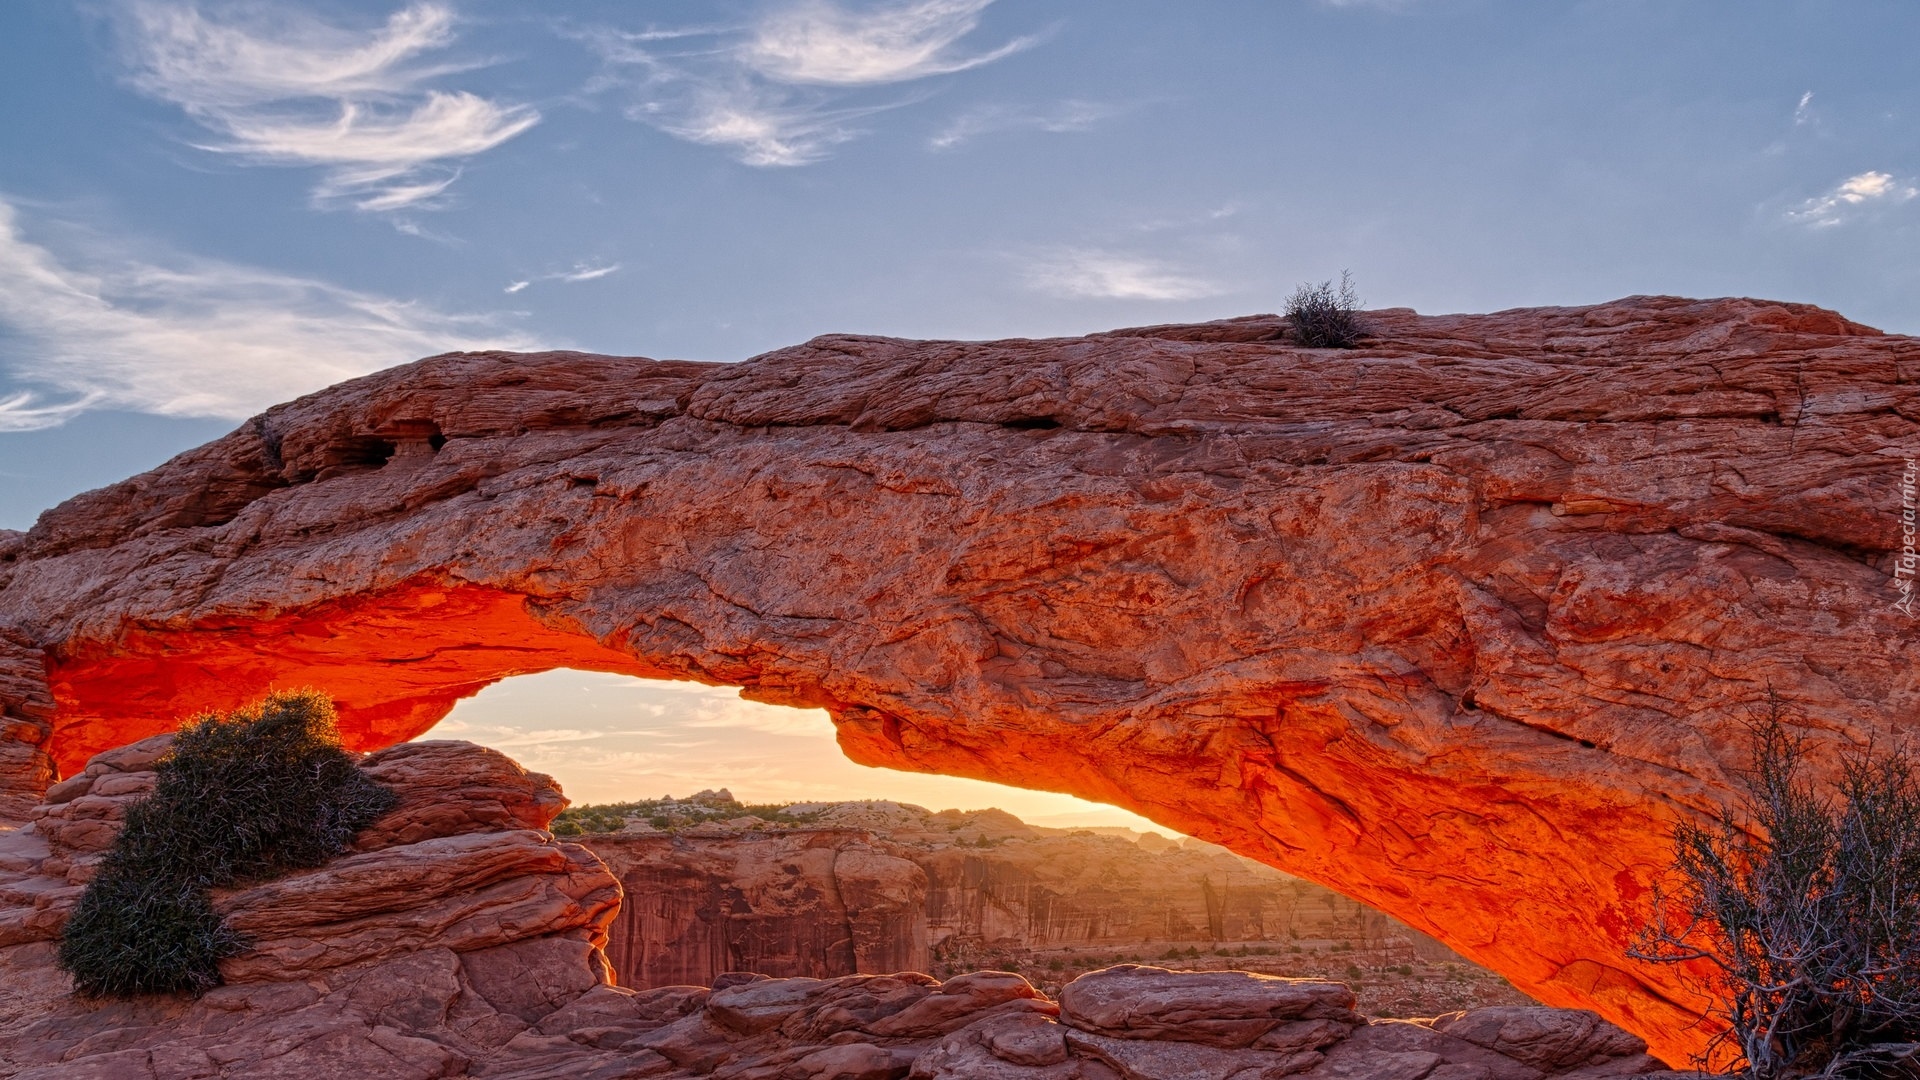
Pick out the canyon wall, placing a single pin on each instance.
(813, 903)
(942, 893)
(1459, 623)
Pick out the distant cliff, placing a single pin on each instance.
(836, 889)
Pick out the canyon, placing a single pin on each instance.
(828, 889)
(1459, 623)
(458, 937)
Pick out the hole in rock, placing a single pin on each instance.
(357, 454)
(1033, 423)
(614, 738)
(678, 786)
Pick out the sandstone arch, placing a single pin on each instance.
(1457, 623)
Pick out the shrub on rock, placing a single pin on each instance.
(1325, 317)
(1806, 909)
(242, 797)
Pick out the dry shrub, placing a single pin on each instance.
(1806, 905)
(1325, 317)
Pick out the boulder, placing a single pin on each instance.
(1219, 1008)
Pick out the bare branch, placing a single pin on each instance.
(1808, 909)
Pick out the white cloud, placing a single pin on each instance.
(188, 59)
(1803, 112)
(1852, 195)
(775, 93)
(501, 736)
(1095, 274)
(193, 337)
(582, 271)
(1064, 117)
(763, 126)
(824, 44)
(726, 711)
(282, 88)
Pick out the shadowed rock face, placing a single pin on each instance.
(1458, 623)
(811, 904)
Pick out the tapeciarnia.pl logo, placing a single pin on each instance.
(1904, 564)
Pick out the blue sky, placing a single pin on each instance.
(206, 208)
(209, 207)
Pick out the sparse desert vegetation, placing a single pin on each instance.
(1326, 316)
(1806, 905)
(244, 796)
(1388, 983)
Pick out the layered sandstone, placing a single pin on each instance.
(454, 925)
(844, 888)
(458, 939)
(1458, 623)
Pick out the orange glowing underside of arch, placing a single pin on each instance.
(395, 662)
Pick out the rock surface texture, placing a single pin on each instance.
(1458, 623)
(458, 939)
(451, 928)
(866, 887)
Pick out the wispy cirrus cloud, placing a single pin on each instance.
(1856, 194)
(1803, 112)
(990, 119)
(762, 126)
(582, 271)
(1101, 274)
(191, 337)
(776, 92)
(825, 44)
(281, 87)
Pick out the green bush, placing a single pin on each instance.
(244, 797)
(1324, 317)
(612, 817)
(134, 933)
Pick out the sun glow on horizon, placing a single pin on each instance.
(614, 738)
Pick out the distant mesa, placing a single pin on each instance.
(1457, 623)
(826, 889)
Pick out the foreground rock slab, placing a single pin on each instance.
(455, 924)
(1458, 623)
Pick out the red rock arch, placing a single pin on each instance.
(1458, 623)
